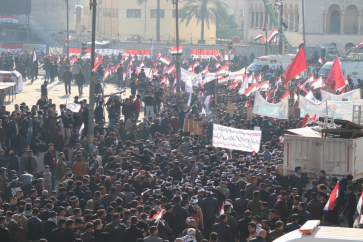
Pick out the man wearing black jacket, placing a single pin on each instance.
(242, 226)
(67, 234)
(210, 209)
(351, 206)
(180, 213)
(223, 229)
(50, 160)
(132, 233)
(35, 227)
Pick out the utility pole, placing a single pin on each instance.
(177, 62)
(92, 80)
(111, 17)
(67, 1)
(280, 29)
(303, 20)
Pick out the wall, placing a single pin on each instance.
(146, 27)
(51, 14)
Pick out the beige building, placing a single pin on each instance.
(122, 21)
(235, 7)
(107, 20)
(51, 15)
(326, 21)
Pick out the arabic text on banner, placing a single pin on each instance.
(342, 109)
(351, 96)
(236, 139)
(264, 108)
(308, 107)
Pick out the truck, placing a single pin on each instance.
(350, 67)
(263, 63)
(307, 148)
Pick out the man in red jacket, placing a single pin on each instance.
(138, 107)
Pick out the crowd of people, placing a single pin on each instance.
(146, 179)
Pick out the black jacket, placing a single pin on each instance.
(181, 215)
(242, 227)
(291, 227)
(210, 207)
(224, 232)
(257, 239)
(66, 235)
(303, 217)
(35, 229)
(48, 160)
(4, 234)
(48, 228)
(351, 204)
(132, 234)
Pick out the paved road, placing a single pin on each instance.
(56, 92)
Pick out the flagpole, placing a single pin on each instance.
(177, 62)
(303, 20)
(67, 1)
(92, 80)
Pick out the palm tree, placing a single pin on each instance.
(139, 2)
(205, 11)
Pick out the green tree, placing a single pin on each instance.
(205, 11)
(139, 2)
(228, 29)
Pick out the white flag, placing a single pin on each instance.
(74, 107)
(34, 55)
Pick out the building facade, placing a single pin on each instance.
(326, 21)
(51, 15)
(236, 7)
(123, 21)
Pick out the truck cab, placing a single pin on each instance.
(264, 63)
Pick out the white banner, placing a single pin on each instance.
(308, 107)
(342, 109)
(74, 107)
(351, 96)
(279, 110)
(236, 139)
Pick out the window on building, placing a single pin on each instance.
(153, 13)
(230, 11)
(335, 22)
(241, 13)
(133, 13)
(173, 13)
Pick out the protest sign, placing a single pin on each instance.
(230, 108)
(236, 139)
(311, 108)
(74, 107)
(198, 127)
(342, 109)
(351, 96)
(264, 108)
(188, 125)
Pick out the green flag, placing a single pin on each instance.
(327, 56)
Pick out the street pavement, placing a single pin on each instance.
(31, 93)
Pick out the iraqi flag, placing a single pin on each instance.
(58, 59)
(317, 83)
(220, 56)
(69, 38)
(190, 68)
(141, 65)
(332, 199)
(159, 54)
(195, 64)
(165, 60)
(287, 94)
(233, 85)
(263, 86)
(250, 90)
(258, 37)
(301, 45)
(360, 45)
(205, 70)
(158, 216)
(175, 50)
(258, 79)
(294, 96)
(310, 79)
(170, 69)
(320, 60)
(272, 35)
(217, 65)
